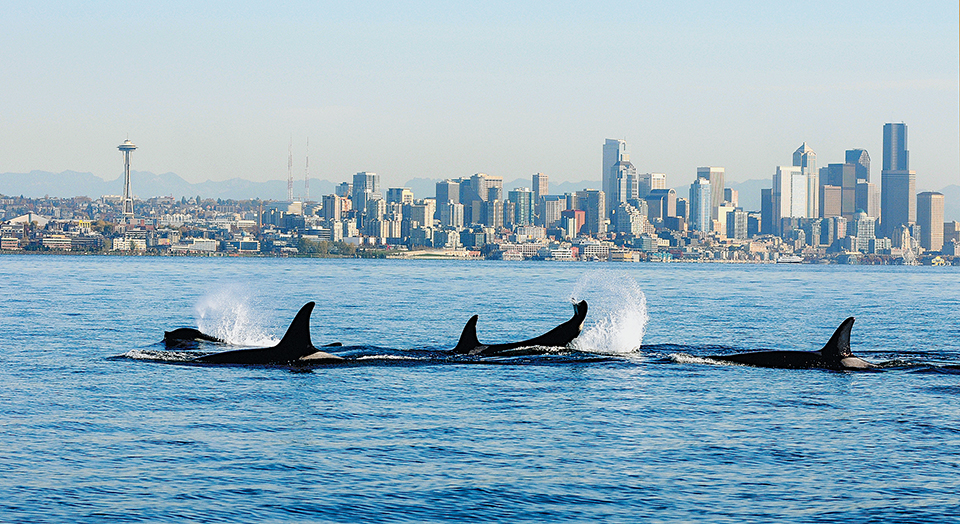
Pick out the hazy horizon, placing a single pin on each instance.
(429, 90)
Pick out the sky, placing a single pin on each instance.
(218, 90)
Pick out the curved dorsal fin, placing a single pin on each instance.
(468, 339)
(839, 345)
(298, 334)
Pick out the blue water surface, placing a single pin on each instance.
(98, 426)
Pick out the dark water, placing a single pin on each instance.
(402, 433)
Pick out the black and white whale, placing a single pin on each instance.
(294, 347)
(559, 336)
(835, 355)
(188, 337)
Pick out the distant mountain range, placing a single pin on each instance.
(36, 184)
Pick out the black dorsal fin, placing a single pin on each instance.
(297, 336)
(839, 345)
(468, 339)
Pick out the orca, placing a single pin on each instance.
(186, 337)
(559, 336)
(835, 355)
(295, 346)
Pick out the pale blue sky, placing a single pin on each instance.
(433, 89)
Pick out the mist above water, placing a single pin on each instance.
(617, 316)
(228, 315)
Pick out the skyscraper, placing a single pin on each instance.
(868, 198)
(896, 157)
(593, 202)
(843, 176)
(898, 184)
(715, 176)
(448, 191)
(700, 201)
(522, 199)
(806, 160)
(861, 160)
(613, 151)
(540, 186)
(625, 189)
(647, 182)
(930, 219)
(789, 195)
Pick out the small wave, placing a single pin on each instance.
(684, 358)
(159, 356)
(620, 307)
(389, 357)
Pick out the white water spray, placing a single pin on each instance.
(228, 315)
(617, 317)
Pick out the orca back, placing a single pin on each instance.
(468, 338)
(838, 347)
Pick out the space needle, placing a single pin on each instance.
(127, 146)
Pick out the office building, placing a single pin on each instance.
(806, 160)
(843, 176)
(789, 195)
(553, 205)
(898, 184)
(592, 202)
(830, 201)
(715, 176)
(731, 196)
(861, 161)
(647, 182)
(522, 200)
(448, 191)
(625, 187)
(540, 186)
(400, 195)
(930, 220)
(700, 202)
(868, 198)
(613, 151)
(661, 204)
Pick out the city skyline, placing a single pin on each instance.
(503, 89)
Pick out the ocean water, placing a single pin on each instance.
(101, 423)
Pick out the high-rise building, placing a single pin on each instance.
(806, 160)
(896, 157)
(366, 187)
(700, 201)
(830, 201)
(332, 207)
(448, 191)
(898, 184)
(737, 224)
(868, 198)
(553, 205)
(647, 182)
(592, 202)
(789, 195)
(661, 204)
(731, 196)
(766, 212)
(930, 219)
(522, 199)
(400, 195)
(715, 176)
(864, 228)
(451, 214)
(613, 151)
(540, 186)
(625, 189)
(861, 160)
(843, 176)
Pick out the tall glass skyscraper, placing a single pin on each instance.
(613, 151)
(898, 184)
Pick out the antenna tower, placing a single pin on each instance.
(290, 173)
(306, 175)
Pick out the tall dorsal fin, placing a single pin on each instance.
(468, 339)
(298, 334)
(839, 345)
